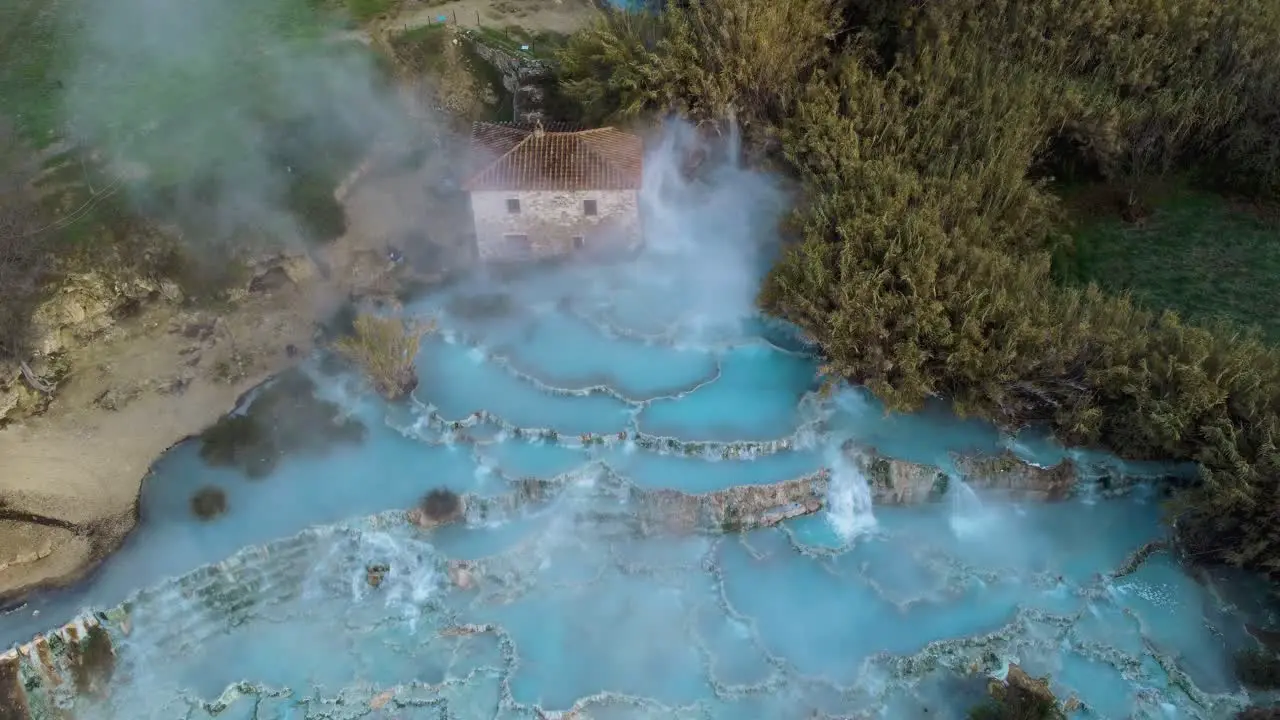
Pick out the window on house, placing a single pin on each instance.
(513, 205)
(588, 207)
(579, 242)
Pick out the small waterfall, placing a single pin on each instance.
(713, 216)
(848, 498)
(735, 141)
(486, 472)
(969, 516)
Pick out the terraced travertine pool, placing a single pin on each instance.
(606, 382)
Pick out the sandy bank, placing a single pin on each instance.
(69, 479)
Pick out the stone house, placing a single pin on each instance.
(540, 192)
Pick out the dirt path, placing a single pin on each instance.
(559, 16)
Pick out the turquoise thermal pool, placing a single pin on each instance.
(573, 604)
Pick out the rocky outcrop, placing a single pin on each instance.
(89, 303)
(122, 394)
(1021, 696)
(275, 271)
(1018, 477)
(900, 482)
(45, 677)
(122, 371)
(1138, 557)
(28, 542)
(890, 481)
(744, 507)
(13, 698)
(86, 305)
(19, 398)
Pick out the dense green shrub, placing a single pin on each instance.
(285, 417)
(209, 502)
(703, 60)
(920, 259)
(1258, 669)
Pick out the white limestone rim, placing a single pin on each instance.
(958, 655)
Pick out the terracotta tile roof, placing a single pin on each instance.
(507, 156)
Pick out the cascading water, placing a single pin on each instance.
(969, 517)
(406, 577)
(849, 509)
(586, 437)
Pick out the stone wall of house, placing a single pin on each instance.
(551, 220)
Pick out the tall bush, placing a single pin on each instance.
(702, 59)
(385, 348)
(925, 135)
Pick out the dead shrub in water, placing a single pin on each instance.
(441, 503)
(385, 347)
(209, 502)
(437, 507)
(284, 418)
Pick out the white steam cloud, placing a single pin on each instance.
(220, 114)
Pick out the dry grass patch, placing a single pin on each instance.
(384, 347)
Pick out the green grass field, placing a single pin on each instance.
(30, 49)
(1197, 254)
(513, 39)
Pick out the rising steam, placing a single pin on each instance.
(232, 118)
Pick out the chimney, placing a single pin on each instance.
(538, 131)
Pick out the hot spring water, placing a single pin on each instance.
(897, 612)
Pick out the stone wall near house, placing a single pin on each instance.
(552, 219)
(523, 77)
